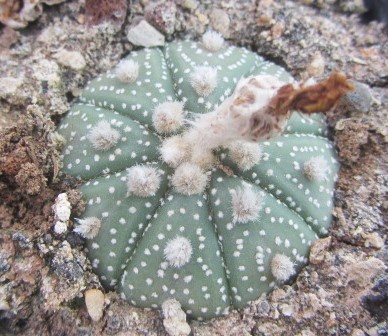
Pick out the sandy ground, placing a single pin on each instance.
(343, 291)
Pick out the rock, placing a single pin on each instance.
(145, 35)
(60, 227)
(188, 4)
(176, 327)
(94, 300)
(66, 265)
(319, 250)
(286, 309)
(220, 21)
(71, 59)
(62, 208)
(175, 318)
(18, 14)
(357, 332)
(317, 66)
(359, 100)
(106, 12)
(9, 85)
(353, 6)
(162, 15)
(373, 240)
(360, 273)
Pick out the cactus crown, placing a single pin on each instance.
(185, 210)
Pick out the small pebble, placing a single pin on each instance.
(71, 59)
(359, 100)
(145, 35)
(317, 66)
(220, 21)
(162, 15)
(94, 300)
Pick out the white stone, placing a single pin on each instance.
(9, 85)
(94, 300)
(60, 227)
(71, 59)
(174, 318)
(145, 35)
(62, 208)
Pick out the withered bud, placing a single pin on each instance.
(320, 97)
(270, 120)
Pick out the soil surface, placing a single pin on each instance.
(43, 275)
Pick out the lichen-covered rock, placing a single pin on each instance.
(211, 228)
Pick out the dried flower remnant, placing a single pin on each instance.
(320, 97)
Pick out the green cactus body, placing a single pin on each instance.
(229, 252)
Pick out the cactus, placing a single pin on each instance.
(213, 227)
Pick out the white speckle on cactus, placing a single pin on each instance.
(127, 71)
(246, 205)
(143, 181)
(174, 151)
(178, 251)
(103, 136)
(168, 117)
(87, 227)
(212, 41)
(203, 79)
(316, 169)
(245, 154)
(62, 208)
(189, 179)
(282, 268)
